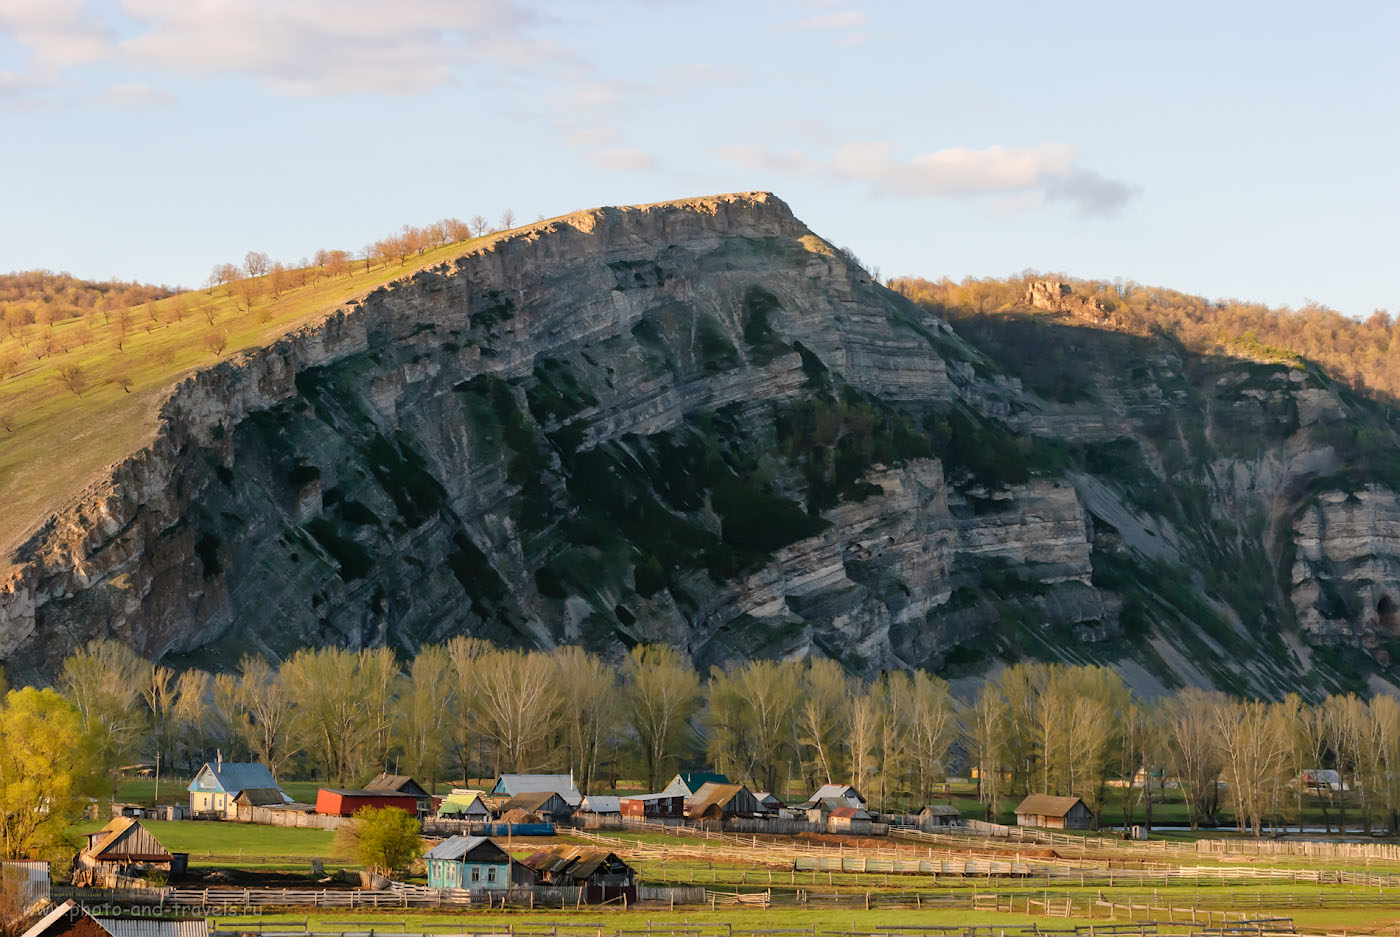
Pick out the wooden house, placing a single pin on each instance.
(769, 802)
(472, 862)
(1055, 813)
(215, 788)
(688, 782)
(601, 805)
(333, 802)
(547, 805)
(722, 802)
(511, 785)
(653, 806)
(600, 873)
(845, 793)
(939, 815)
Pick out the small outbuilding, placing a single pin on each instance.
(465, 804)
(600, 873)
(687, 783)
(848, 819)
(601, 805)
(125, 847)
(1055, 813)
(845, 793)
(939, 815)
(403, 784)
(769, 802)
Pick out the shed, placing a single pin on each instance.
(511, 785)
(466, 804)
(1056, 813)
(472, 862)
(341, 803)
(721, 802)
(403, 784)
(848, 819)
(687, 783)
(67, 919)
(768, 801)
(600, 873)
(653, 806)
(845, 793)
(216, 786)
(125, 846)
(934, 815)
(547, 805)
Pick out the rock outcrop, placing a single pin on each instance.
(698, 423)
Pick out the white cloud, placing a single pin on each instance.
(57, 33)
(135, 95)
(622, 159)
(1021, 176)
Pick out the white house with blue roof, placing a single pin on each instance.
(215, 789)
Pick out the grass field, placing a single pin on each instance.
(53, 441)
(242, 845)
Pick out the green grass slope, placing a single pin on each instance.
(55, 440)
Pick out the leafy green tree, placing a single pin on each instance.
(104, 680)
(662, 693)
(48, 766)
(381, 839)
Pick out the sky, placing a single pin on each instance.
(1236, 150)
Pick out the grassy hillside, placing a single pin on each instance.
(60, 428)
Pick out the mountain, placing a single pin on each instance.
(699, 423)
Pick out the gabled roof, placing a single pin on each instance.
(850, 813)
(362, 792)
(462, 848)
(66, 918)
(232, 777)
(397, 783)
(573, 862)
(711, 795)
(154, 927)
(843, 791)
(692, 781)
(1048, 805)
(260, 797)
(768, 799)
(126, 837)
(561, 784)
(601, 803)
(535, 802)
(941, 810)
(662, 796)
(464, 801)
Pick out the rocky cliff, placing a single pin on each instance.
(699, 423)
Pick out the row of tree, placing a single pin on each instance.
(1362, 352)
(468, 709)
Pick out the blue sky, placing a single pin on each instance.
(1235, 150)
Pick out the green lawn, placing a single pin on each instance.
(241, 844)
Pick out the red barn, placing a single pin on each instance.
(337, 803)
(653, 806)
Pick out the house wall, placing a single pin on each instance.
(477, 876)
(218, 803)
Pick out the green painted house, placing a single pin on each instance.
(472, 862)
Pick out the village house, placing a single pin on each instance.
(465, 804)
(939, 815)
(125, 847)
(546, 805)
(403, 784)
(333, 802)
(215, 788)
(69, 919)
(600, 873)
(653, 806)
(688, 782)
(1055, 813)
(511, 785)
(472, 862)
(768, 802)
(722, 802)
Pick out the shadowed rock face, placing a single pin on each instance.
(695, 423)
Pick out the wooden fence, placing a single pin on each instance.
(1383, 852)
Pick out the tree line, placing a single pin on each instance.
(1364, 353)
(468, 709)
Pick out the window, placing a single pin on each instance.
(491, 873)
(476, 873)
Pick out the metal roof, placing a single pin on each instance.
(398, 783)
(233, 777)
(154, 927)
(456, 848)
(561, 784)
(601, 803)
(1047, 805)
(843, 791)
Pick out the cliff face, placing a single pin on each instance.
(699, 423)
